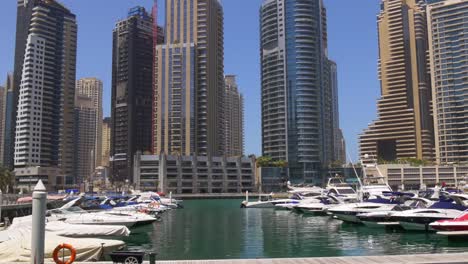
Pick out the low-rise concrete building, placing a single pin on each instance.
(27, 178)
(413, 177)
(194, 174)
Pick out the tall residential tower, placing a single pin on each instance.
(234, 118)
(88, 127)
(189, 90)
(448, 34)
(44, 124)
(132, 79)
(404, 128)
(297, 99)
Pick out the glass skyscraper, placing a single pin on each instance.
(448, 48)
(297, 100)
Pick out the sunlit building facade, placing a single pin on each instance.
(404, 127)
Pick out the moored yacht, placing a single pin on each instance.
(420, 219)
(267, 201)
(380, 203)
(460, 223)
(318, 206)
(384, 218)
(336, 186)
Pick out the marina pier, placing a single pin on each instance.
(457, 258)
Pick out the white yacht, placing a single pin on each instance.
(318, 206)
(420, 219)
(336, 186)
(349, 212)
(266, 201)
(76, 215)
(385, 218)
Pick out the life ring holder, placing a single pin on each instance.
(61, 247)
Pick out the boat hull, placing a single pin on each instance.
(412, 226)
(352, 218)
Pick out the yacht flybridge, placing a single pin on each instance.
(336, 186)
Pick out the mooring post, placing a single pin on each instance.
(39, 207)
(152, 257)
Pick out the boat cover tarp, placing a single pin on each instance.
(18, 247)
(71, 230)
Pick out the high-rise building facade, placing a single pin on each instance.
(7, 113)
(106, 136)
(45, 112)
(448, 34)
(404, 128)
(337, 152)
(88, 127)
(234, 118)
(188, 117)
(23, 21)
(3, 93)
(132, 94)
(296, 86)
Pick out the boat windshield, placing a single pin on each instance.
(74, 210)
(346, 191)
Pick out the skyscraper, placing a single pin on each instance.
(296, 86)
(188, 115)
(8, 125)
(23, 21)
(132, 79)
(44, 125)
(88, 127)
(404, 128)
(106, 136)
(337, 152)
(3, 93)
(234, 118)
(448, 53)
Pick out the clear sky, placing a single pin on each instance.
(352, 32)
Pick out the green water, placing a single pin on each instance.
(219, 229)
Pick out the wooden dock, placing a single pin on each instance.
(452, 258)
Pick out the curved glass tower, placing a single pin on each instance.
(297, 97)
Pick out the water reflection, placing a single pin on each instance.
(219, 229)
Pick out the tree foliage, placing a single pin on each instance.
(266, 161)
(7, 180)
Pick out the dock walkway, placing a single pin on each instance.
(451, 258)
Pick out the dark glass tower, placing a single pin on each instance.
(132, 79)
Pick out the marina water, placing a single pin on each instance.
(219, 229)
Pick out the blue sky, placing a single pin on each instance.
(352, 32)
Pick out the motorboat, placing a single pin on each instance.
(336, 186)
(305, 190)
(318, 206)
(384, 218)
(267, 201)
(374, 186)
(460, 223)
(297, 199)
(64, 229)
(448, 208)
(76, 215)
(380, 203)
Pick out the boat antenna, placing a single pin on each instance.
(360, 194)
(354, 168)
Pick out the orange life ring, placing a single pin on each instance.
(72, 253)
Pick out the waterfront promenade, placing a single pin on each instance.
(454, 258)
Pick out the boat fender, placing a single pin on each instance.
(61, 247)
